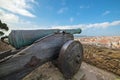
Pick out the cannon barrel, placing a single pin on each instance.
(41, 51)
(22, 38)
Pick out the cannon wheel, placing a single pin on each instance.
(70, 58)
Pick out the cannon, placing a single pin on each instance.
(22, 38)
(35, 48)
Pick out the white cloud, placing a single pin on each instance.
(62, 10)
(14, 22)
(17, 6)
(105, 13)
(8, 17)
(9, 10)
(87, 26)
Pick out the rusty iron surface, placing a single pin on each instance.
(70, 58)
(34, 61)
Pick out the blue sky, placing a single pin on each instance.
(94, 17)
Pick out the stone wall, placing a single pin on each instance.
(108, 59)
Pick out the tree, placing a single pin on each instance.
(3, 26)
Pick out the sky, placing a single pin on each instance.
(94, 17)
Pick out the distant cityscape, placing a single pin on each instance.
(109, 42)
